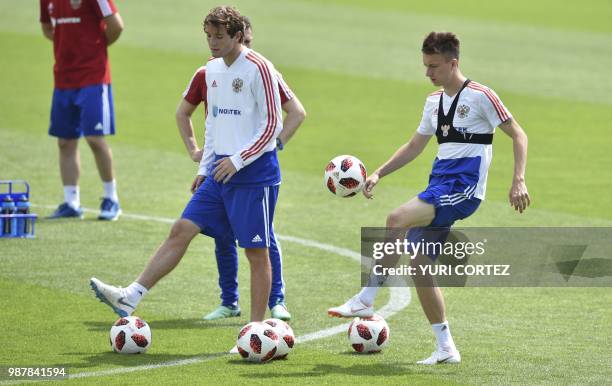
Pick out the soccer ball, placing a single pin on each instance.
(286, 339)
(257, 342)
(130, 335)
(368, 335)
(345, 176)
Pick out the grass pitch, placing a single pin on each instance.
(356, 67)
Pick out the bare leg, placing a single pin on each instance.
(103, 155)
(169, 253)
(69, 160)
(261, 281)
(430, 296)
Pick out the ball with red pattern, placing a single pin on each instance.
(345, 176)
(257, 342)
(286, 338)
(130, 335)
(369, 335)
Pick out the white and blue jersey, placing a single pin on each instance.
(243, 119)
(464, 126)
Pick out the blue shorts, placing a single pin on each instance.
(450, 205)
(82, 111)
(225, 210)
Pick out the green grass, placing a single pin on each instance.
(356, 67)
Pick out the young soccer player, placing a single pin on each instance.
(81, 31)
(239, 173)
(463, 116)
(225, 248)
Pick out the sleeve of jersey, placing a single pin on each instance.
(195, 89)
(105, 8)
(208, 155)
(493, 108)
(283, 88)
(267, 99)
(44, 11)
(425, 127)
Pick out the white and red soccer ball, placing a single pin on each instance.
(257, 342)
(130, 335)
(368, 335)
(286, 338)
(345, 176)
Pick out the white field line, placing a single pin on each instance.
(399, 299)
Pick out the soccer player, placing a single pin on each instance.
(463, 116)
(237, 182)
(225, 248)
(82, 105)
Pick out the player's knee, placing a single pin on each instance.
(182, 229)
(395, 219)
(96, 143)
(257, 255)
(67, 145)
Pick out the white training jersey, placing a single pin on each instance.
(479, 111)
(244, 114)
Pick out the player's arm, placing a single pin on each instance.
(519, 197)
(295, 115)
(184, 111)
(404, 155)
(47, 30)
(114, 27)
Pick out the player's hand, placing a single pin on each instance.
(196, 183)
(519, 197)
(371, 181)
(196, 155)
(224, 170)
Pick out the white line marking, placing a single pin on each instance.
(399, 298)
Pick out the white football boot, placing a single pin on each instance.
(352, 308)
(441, 357)
(114, 297)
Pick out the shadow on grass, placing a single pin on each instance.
(170, 324)
(321, 370)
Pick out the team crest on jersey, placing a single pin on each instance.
(76, 4)
(237, 85)
(463, 111)
(445, 129)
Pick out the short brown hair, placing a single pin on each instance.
(443, 43)
(227, 17)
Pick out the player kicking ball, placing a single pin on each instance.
(238, 198)
(463, 116)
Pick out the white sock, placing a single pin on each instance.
(110, 190)
(443, 336)
(367, 295)
(72, 196)
(135, 292)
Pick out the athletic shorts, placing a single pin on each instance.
(82, 111)
(452, 200)
(220, 210)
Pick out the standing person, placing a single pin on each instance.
(225, 248)
(463, 116)
(82, 105)
(243, 119)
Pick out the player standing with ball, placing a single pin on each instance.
(463, 116)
